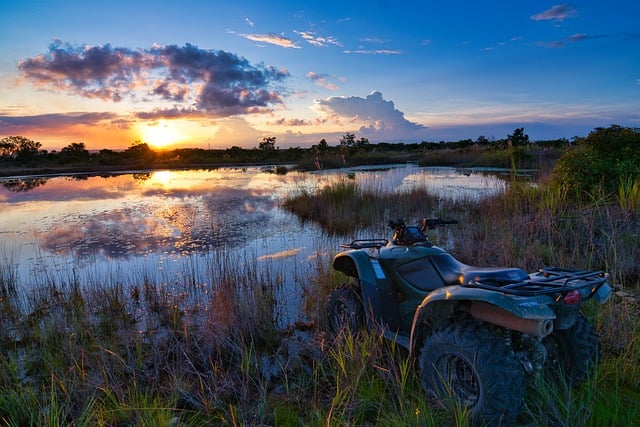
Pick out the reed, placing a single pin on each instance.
(343, 207)
(541, 225)
(213, 349)
(629, 195)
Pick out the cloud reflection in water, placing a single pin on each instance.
(164, 219)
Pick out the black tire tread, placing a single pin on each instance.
(579, 349)
(499, 373)
(345, 298)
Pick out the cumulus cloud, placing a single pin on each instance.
(559, 12)
(217, 82)
(379, 118)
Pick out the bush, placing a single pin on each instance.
(602, 160)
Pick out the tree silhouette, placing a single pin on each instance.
(268, 143)
(518, 138)
(348, 140)
(19, 148)
(73, 152)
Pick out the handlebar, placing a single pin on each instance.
(409, 235)
(425, 223)
(431, 223)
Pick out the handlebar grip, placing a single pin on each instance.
(431, 223)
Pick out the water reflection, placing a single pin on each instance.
(85, 223)
(21, 185)
(175, 220)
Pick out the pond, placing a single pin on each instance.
(168, 227)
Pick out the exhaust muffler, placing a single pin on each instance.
(486, 312)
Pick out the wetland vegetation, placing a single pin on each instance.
(107, 354)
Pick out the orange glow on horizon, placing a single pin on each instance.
(163, 134)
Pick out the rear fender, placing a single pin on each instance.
(530, 315)
(380, 302)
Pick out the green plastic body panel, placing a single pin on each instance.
(536, 307)
(440, 303)
(379, 298)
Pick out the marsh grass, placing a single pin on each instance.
(629, 195)
(343, 207)
(531, 226)
(139, 350)
(142, 355)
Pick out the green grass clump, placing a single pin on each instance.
(343, 207)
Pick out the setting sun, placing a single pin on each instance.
(161, 134)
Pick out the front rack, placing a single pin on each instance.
(546, 281)
(366, 244)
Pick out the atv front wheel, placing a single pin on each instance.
(471, 364)
(345, 310)
(573, 352)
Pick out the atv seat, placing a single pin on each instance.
(454, 272)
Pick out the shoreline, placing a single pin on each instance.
(18, 173)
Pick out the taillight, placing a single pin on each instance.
(572, 297)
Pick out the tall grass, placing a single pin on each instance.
(213, 351)
(531, 226)
(629, 195)
(139, 355)
(526, 225)
(343, 207)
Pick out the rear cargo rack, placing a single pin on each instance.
(366, 243)
(546, 281)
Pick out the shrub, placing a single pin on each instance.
(603, 159)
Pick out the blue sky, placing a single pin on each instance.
(216, 74)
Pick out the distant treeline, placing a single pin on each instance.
(19, 151)
(515, 150)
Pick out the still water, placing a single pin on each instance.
(163, 226)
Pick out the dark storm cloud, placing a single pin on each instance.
(91, 71)
(217, 82)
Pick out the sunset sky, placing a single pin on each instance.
(214, 74)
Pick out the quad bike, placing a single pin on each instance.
(478, 333)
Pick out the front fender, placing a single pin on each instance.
(437, 307)
(379, 300)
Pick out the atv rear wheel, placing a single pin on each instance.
(345, 310)
(573, 352)
(471, 363)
